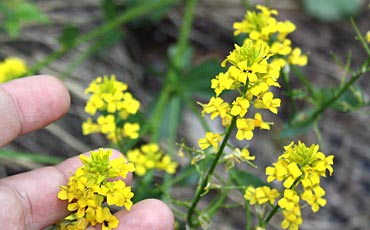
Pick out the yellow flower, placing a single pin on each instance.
(89, 127)
(290, 199)
(368, 36)
(216, 107)
(222, 82)
(259, 25)
(263, 26)
(292, 218)
(297, 58)
(210, 139)
(12, 68)
(282, 48)
(239, 107)
(268, 102)
(107, 124)
(131, 130)
(261, 195)
(150, 157)
(258, 122)
(238, 156)
(245, 128)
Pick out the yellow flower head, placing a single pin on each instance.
(211, 139)
(261, 195)
(115, 104)
(263, 26)
(93, 184)
(149, 157)
(300, 165)
(12, 68)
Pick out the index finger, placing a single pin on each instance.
(30, 103)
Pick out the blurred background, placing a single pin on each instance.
(137, 52)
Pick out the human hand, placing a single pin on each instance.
(29, 200)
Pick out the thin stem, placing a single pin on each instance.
(209, 173)
(271, 214)
(324, 106)
(276, 207)
(285, 75)
(248, 215)
(361, 37)
(172, 75)
(185, 30)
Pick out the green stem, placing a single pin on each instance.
(324, 106)
(248, 215)
(158, 112)
(276, 207)
(217, 202)
(172, 75)
(209, 173)
(285, 75)
(132, 13)
(182, 42)
(271, 214)
(361, 37)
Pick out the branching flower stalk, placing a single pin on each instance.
(254, 67)
(203, 184)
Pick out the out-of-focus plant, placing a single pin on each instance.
(17, 13)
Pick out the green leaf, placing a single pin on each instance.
(171, 119)
(18, 13)
(198, 80)
(243, 178)
(186, 59)
(45, 159)
(295, 129)
(109, 9)
(68, 36)
(332, 10)
(352, 99)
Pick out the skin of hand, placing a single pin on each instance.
(29, 200)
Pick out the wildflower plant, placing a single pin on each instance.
(244, 93)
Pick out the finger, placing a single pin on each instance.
(147, 214)
(30, 103)
(30, 199)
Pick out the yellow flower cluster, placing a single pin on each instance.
(148, 157)
(263, 26)
(251, 75)
(12, 68)
(115, 104)
(261, 195)
(298, 165)
(94, 184)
